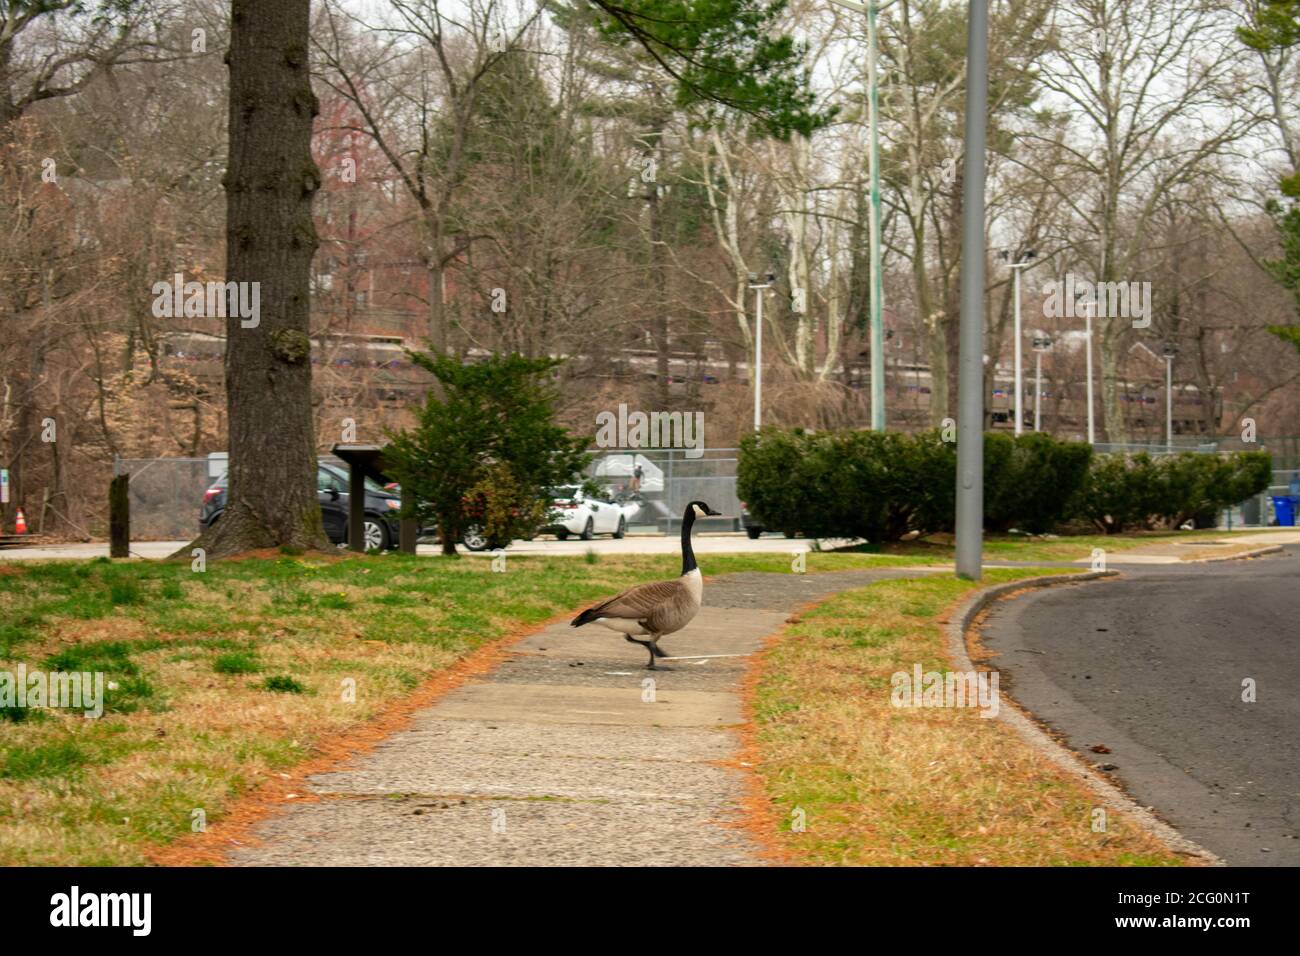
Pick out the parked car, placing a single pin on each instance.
(382, 523)
(476, 540)
(573, 511)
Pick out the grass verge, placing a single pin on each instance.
(875, 784)
(1008, 547)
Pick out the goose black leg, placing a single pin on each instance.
(648, 646)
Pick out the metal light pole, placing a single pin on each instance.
(1038, 391)
(970, 388)
(758, 345)
(873, 169)
(1041, 344)
(1169, 351)
(758, 364)
(1092, 425)
(1092, 308)
(1020, 385)
(1021, 261)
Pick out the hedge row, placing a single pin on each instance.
(880, 486)
(1138, 491)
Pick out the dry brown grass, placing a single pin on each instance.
(882, 785)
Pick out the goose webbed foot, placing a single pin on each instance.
(649, 646)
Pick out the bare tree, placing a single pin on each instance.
(1148, 90)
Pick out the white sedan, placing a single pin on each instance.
(575, 512)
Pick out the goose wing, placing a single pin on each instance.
(641, 602)
(661, 607)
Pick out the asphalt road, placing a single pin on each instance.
(1152, 667)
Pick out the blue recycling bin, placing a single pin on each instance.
(1284, 508)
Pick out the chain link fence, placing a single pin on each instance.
(167, 493)
(668, 481)
(1284, 449)
(1259, 511)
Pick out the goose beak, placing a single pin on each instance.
(713, 514)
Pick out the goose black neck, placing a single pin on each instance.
(688, 553)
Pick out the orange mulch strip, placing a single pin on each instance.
(234, 830)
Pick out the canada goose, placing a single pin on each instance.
(660, 607)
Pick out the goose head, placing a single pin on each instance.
(702, 510)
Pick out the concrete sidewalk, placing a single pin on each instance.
(564, 755)
(1228, 545)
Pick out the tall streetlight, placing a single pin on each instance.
(1042, 343)
(1168, 352)
(970, 382)
(1089, 302)
(1022, 261)
(873, 168)
(759, 287)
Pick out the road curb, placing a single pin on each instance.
(1110, 795)
(1270, 549)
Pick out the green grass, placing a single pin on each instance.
(283, 684)
(125, 591)
(60, 760)
(15, 714)
(111, 657)
(236, 662)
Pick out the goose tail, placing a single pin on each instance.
(586, 617)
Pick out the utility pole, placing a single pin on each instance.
(1091, 306)
(1019, 262)
(759, 288)
(1041, 344)
(877, 282)
(970, 387)
(1090, 302)
(873, 170)
(1038, 391)
(1170, 350)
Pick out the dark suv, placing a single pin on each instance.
(381, 522)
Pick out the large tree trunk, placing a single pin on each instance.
(270, 239)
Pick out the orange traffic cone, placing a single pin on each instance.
(20, 523)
